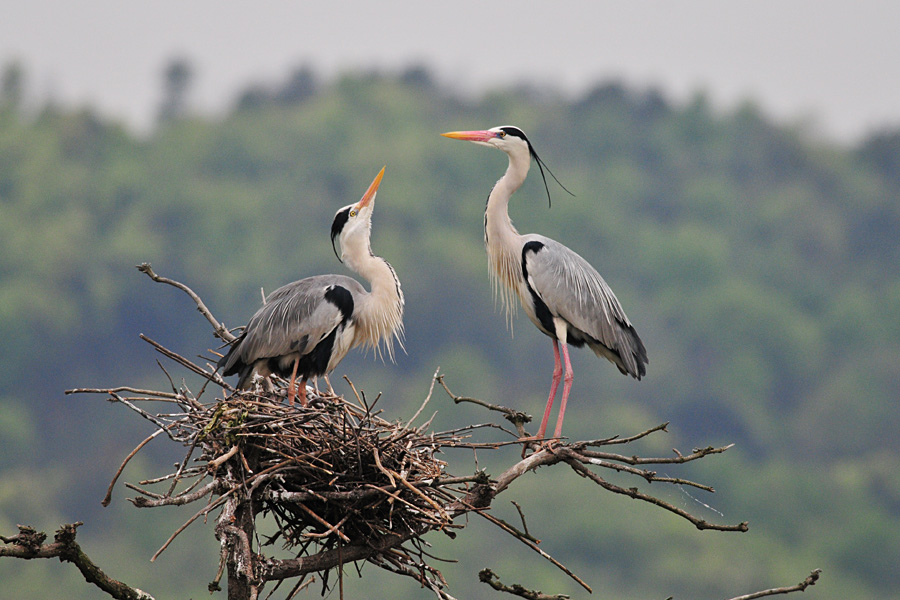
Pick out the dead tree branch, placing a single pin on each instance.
(516, 417)
(489, 577)
(220, 330)
(29, 544)
(800, 587)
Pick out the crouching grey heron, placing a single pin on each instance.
(306, 328)
(561, 292)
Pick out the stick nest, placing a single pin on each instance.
(331, 473)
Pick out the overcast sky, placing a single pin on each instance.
(834, 62)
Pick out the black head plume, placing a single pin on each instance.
(340, 219)
(540, 163)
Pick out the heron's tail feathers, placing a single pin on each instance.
(630, 355)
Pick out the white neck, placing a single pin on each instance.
(379, 315)
(501, 238)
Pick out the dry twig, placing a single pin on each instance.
(220, 330)
(811, 579)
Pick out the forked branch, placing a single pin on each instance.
(29, 544)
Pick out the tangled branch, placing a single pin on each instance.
(343, 484)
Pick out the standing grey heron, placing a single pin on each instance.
(561, 292)
(307, 327)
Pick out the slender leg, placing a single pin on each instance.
(567, 385)
(292, 392)
(303, 392)
(557, 375)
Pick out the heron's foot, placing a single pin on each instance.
(292, 393)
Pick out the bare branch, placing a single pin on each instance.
(142, 502)
(638, 495)
(272, 569)
(427, 399)
(506, 527)
(108, 498)
(638, 460)
(489, 577)
(220, 330)
(517, 418)
(524, 524)
(125, 388)
(202, 512)
(212, 377)
(152, 418)
(614, 462)
(620, 440)
(29, 544)
(800, 587)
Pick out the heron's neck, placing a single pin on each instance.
(379, 316)
(501, 238)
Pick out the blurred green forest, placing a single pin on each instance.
(758, 262)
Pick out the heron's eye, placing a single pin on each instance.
(501, 134)
(352, 213)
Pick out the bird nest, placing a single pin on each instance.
(330, 473)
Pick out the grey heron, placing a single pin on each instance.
(560, 291)
(306, 328)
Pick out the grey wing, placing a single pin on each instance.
(572, 289)
(295, 318)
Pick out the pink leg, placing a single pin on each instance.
(557, 375)
(566, 387)
(303, 392)
(292, 391)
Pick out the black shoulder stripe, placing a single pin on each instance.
(342, 299)
(541, 310)
(532, 246)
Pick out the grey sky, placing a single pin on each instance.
(835, 61)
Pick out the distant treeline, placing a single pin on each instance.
(758, 263)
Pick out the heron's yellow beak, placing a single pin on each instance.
(471, 136)
(373, 188)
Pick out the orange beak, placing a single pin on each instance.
(471, 136)
(373, 188)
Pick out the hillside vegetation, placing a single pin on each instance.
(759, 265)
